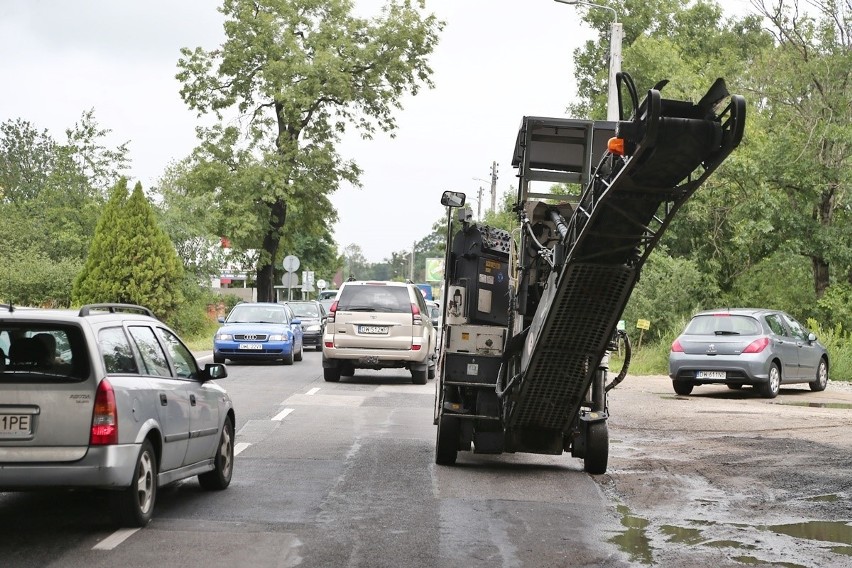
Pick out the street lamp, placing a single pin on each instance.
(612, 110)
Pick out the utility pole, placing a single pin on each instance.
(493, 187)
(479, 204)
(411, 267)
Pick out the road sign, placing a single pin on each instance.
(290, 280)
(322, 284)
(291, 263)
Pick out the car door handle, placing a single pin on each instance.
(164, 400)
(192, 400)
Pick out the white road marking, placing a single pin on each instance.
(239, 447)
(313, 391)
(282, 415)
(114, 539)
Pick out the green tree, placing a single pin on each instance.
(131, 259)
(300, 73)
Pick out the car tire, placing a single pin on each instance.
(419, 377)
(134, 505)
(220, 477)
(300, 355)
(770, 388)
(431, 373)
(289, 358)
(682, 387)
(347, 370)
(218, 359)
(331, 375)
(597, 448)
(821, 377)
(319, 347)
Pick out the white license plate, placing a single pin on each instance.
(373, 329)
(15, 425)
(251, 346)
(711, 375)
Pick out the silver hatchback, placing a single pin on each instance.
(108, 397)
(736, 347)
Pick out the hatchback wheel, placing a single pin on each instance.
(770, 388)
(682, 387)
(289, 358)
(220, 477)
(298, 356)
(821, 377)
(134, 506)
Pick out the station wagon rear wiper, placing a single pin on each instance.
(360, 309)
(719, 332)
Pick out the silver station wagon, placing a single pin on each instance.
(736, 347)
(108, 397)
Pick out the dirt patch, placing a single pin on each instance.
(726, 478)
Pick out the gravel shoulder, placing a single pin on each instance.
(726, 478)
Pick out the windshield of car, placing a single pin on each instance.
(257, 314)
(723, 324)
(374, 298)
(42, 351)
(305, 310)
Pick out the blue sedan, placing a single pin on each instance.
(259, 331)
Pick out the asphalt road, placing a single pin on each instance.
(334, 474)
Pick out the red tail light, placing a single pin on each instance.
(104, 417)
(331, 310)
(416, 318)
(677, 347)
(757, 345)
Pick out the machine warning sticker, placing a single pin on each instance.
(473, 368)
(486, 279)
(491, 265)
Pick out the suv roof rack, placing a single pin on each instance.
(113, 308)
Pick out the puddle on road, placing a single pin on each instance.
(730, 544)
(681, 535)
(839, 405)
(634, 541)
(826, 531)
(830, 498)
(751, 560)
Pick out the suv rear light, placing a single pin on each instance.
(677, 347)
(331, 310)
(416, 318)
(104, 417)
(757, 345)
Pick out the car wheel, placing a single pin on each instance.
(220, 477)
(288, 358)
(419, 377)
(431, 373)
(218, 359)
(347, 370)
(299, 355)
(319, 347)
(597, 448)
(821, 377)
(447, 445)
(134, 506)
(331, 375)
(682, 387)
(770, 388)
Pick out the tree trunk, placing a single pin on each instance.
(271, 242)
(820, 267)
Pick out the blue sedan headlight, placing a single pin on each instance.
(277, 337)
(223, 337)
(312, 328)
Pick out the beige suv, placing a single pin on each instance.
(376, 325)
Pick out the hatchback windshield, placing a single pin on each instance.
(257, 314)
(722, 324)
(305, 310)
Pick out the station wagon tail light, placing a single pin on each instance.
(677, 347)
(416, 318)
(757, 345)
(104, 417)
(331, 310)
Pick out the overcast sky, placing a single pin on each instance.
(497, 61)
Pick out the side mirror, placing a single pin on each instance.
(453, 199)
(295, 321)
(221, 319)
(214, 371)
(812, 337)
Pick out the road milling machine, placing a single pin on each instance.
(531, 316)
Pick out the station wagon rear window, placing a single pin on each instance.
(42, 353)
(369, 298)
